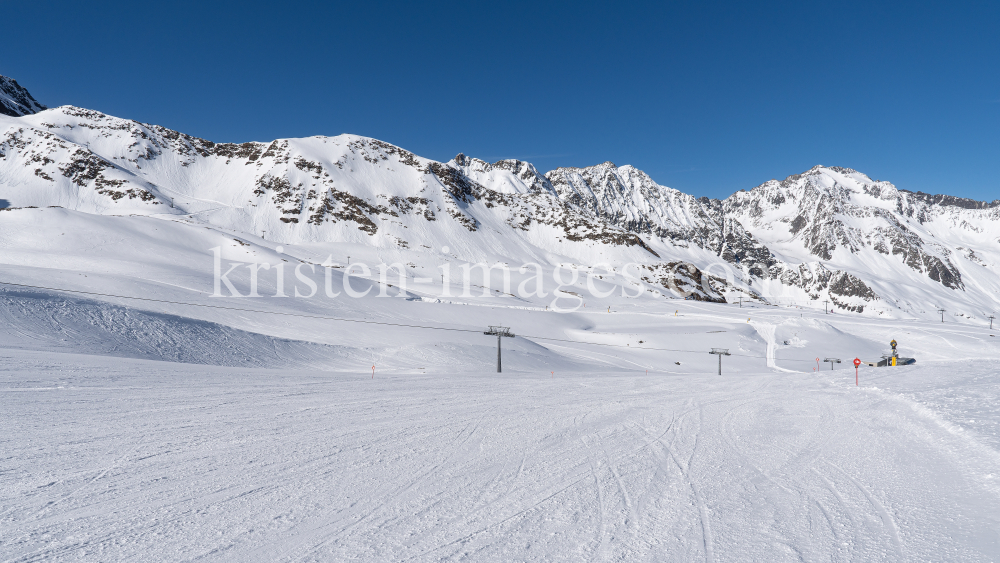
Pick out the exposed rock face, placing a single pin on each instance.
(15, 101)
(684, 279)
(950, 200)
(630, 199)
(846, 291)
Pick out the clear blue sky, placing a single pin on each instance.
(706, 97)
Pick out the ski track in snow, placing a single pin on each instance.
(112, 459)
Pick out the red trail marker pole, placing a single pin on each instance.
(373, 372)
(857, 362)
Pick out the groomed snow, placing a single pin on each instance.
(120, 459)
(574, 453)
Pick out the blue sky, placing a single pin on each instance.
(706, 97)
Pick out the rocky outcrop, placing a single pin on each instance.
(15, 100)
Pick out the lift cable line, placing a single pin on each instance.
(647, 348)
(383, 323)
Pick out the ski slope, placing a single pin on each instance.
(123, 459)
(609, 435)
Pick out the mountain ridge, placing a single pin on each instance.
(827, 233)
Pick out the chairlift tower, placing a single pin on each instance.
(832, 361)
(942, 314)
(720, 352)
(991, 321)
(500, 332)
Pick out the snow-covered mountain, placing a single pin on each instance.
(15, 99)
(833, 233)
(828, 234)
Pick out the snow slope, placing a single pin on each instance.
(32, 319)
(576, 451)
(181, 462)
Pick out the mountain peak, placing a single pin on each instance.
(15, 100)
